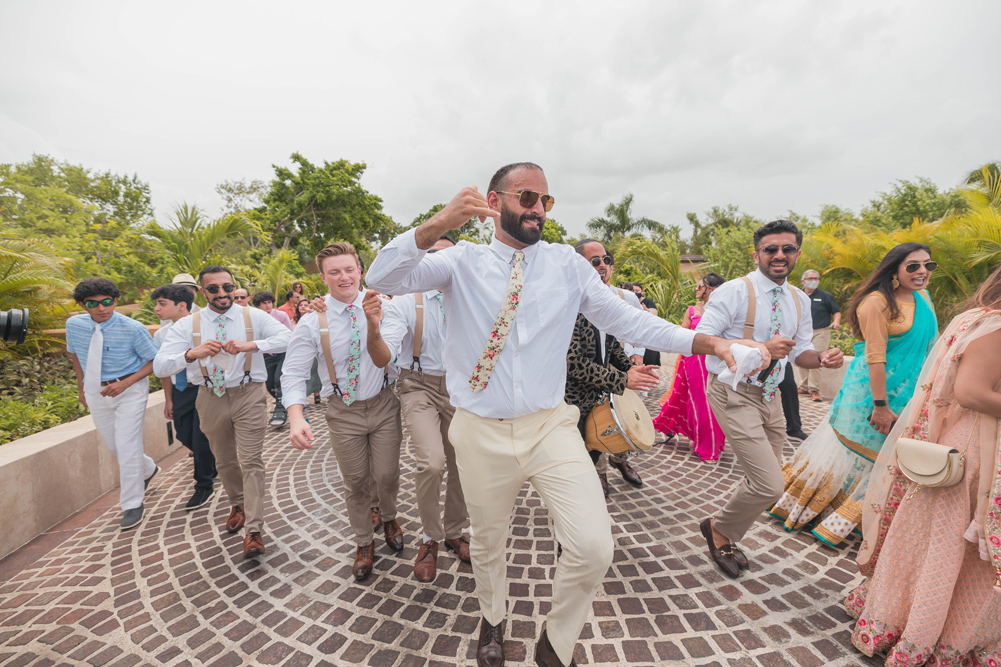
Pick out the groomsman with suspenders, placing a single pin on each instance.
(363, 413)
(231, 403)
(415, 324)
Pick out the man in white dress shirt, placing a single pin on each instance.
(751, 416)
(363, 413)
(231, 404)
(506, 376)
(428, 415)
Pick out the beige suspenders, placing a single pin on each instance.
(418, 331)
(325, 344)
(752, 304)
(196, 334)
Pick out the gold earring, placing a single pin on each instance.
(895, 282)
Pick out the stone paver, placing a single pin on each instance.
(177, 591)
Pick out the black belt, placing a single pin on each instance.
(107, 382)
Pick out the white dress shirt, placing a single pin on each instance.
(629, 297)
(726, 312)
(305, 347)
(531, 371)
(399, 324)
(269, 334)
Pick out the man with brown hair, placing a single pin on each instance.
(363, 414)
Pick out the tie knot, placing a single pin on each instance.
(350, 306)
(519, 255)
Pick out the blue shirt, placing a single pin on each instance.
(127, 344)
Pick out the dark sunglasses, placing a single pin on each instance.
(788, 249)
(607, 259)
(914, 266)
(241, 297)
(214, 289)
(90, 303)
(527, 198)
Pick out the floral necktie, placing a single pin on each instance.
(218, 375)
(491, 352)
(444, 320)
(350, 393)
(772, 381)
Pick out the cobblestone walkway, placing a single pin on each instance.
(177, 591)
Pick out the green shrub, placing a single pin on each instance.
(53, 406)
(844, 340)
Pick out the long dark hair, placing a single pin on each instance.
(989, 294)
(881, 280)
(713, 280)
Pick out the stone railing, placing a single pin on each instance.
(48, 476)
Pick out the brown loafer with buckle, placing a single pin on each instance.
(253, 545)
(545, 656)
(236, 519)
(461, 548)
(364, 558)
(394, 535)
(722, 556)
(376, 519)
(740, 558)
(426, 565)
(490, 649)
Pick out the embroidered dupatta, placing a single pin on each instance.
(932, 412)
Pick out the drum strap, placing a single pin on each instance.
(752, 303)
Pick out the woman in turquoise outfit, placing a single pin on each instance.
(892, 313)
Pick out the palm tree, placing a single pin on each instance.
(660, 264)
(33, 276)
(618, 222)
(192, 240)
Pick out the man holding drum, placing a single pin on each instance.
(505, 376)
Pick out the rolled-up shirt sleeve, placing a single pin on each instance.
(804, 328)
(169, 359)
(393, 327)
(635, 326)
(718, 313)
(401, 267)
(303, 348)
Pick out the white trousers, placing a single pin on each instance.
(495, 457)
(120, 422)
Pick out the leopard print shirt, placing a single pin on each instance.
(587, 380)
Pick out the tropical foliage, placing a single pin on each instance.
(33, 276)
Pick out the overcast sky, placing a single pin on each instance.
(768, 105)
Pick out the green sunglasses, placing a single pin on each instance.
(90, 303)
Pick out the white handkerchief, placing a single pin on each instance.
(747, 358)
(223, 360)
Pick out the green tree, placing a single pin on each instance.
(907, 201)
(192, 241)
(312, 206)
(618, 221)
(730, 254)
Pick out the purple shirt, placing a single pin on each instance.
(281, 317)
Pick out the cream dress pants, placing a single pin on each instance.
(120, 421)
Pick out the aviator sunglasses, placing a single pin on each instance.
(527, 198)
(788, 249)
(914, 266)
(90, 303)
(596, 261)
(214, 289)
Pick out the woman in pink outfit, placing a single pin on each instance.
(932, 556)
(686, 407)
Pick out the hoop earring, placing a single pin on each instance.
(895, 282)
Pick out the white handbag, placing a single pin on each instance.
(931, 464)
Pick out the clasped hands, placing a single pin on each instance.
(210, 348)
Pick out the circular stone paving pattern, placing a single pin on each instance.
(177, 591)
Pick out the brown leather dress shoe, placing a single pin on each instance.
(376, 519)
(722, 556)
(253, 545)
(236, 519)
(426, 565)
(740, 558)
(628, 472)
(461, 548)
(394, 535)
(545, 656)
(816, 397)
(363, 561)
(490, 649)
(603, 478)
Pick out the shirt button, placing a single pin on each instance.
(516, 385)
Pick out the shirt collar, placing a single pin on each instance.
(229, 314)
(766, 284)
(430, 294)
(506, 252)
(109, 323)
(339, 306)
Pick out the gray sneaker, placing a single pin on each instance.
(132, 518)
(280, 416)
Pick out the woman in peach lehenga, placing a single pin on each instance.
(932, 556)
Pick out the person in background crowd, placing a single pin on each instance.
(749, 415)
(637, 289)
(790, 406)
(273, 362)
(241, 297)
(826, 317)
(112, 357)
(172, 304)
(932, 556)
(686, 406)
(314, 384)
(188, 281)
(363, 413)
(290, 306)
(892, 314)
(231, 404)
(297, 288)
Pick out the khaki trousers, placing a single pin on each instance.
(755, 432)
(811, 376)
(495, 458)
(366, 439)
(235, 424)
(428, 414)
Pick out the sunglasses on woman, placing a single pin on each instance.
(214, 289)
(596, 261)
(527, 198)
(90, 303)
(914, 266)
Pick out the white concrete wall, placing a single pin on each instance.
(48, 476)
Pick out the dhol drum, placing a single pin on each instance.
(619, 424)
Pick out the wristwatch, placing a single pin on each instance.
(879, 403)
